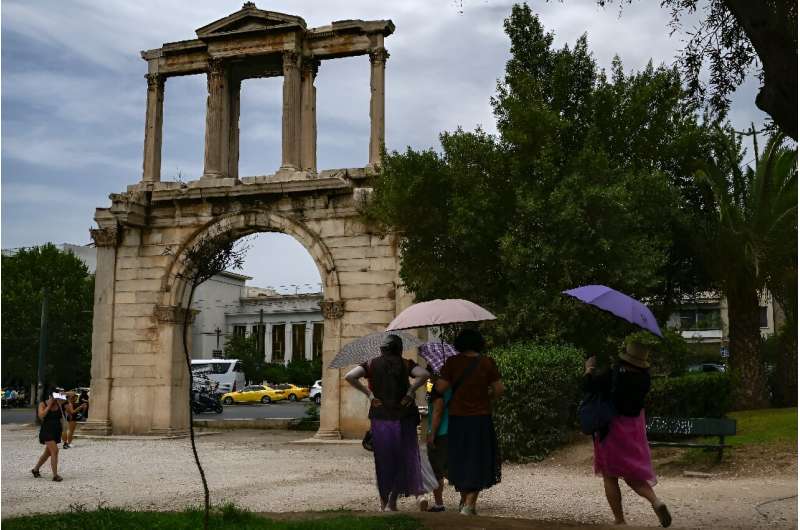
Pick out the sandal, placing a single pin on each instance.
(36, 473)
(663, 514)
(57, 478)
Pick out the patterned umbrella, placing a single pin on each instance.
(369, 347)
(436, 353)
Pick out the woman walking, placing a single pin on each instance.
(472, 453)
(621, 450)
(49, 413)
(71, 411)
(393, 418)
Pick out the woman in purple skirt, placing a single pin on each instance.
(393, 418)
(621, 450)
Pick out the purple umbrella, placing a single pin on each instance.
(617, 304)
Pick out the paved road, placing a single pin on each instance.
(282, 409)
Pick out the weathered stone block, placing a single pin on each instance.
(368, 317)
(368, 291)
(138, 286)
(366, 278)
(133, 310)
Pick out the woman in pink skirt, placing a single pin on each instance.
(621, 450)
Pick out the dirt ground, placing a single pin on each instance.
(264, 472)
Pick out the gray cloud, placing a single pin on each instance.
(74, 94)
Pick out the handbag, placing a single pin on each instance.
(366, 443)
(595, 413)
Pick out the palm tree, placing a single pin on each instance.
(748, 248)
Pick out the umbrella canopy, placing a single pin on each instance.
(369, 347)
(439, 313)
(436, 353)
(618, 304)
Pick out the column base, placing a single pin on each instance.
(169, 431)
(328, 434)
(95, 427)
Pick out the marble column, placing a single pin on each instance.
(290, 152)
(268, 343)
(234, 89)
(377, 133)
(308, 116)
(309, 353)
(153, 124)
(217, 121)
(106, 241)
(287, 335)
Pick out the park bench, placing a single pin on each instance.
(692, 428)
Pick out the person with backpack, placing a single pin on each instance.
(393, 418)
(620, 448)
(473, 459)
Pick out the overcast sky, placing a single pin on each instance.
(73, 97)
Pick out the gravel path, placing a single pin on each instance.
(262, 471)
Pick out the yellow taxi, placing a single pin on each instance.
(254, 394)
(293, 392)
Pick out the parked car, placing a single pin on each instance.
(707, 367)
(254, 394)
(315, 394)
(293, 392)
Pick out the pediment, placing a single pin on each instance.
(249, 18)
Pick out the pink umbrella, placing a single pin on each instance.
(439, 313)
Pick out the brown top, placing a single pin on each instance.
(472, 397)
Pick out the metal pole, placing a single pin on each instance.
(42, 347)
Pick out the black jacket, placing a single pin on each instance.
(626, 386)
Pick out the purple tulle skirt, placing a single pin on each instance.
(624, 452)
(396, 452)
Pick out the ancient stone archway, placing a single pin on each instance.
(139, 379)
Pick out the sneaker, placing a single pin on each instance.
(423, 505)
(436, 508)
(663, 514)
(468, 510)
(65, 446)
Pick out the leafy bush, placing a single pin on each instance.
(537, 411)
(702, 395)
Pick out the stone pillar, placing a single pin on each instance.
(308, 117)
(235, 89)
(217, 121)
(287, 337)
(309, 340)
(377, 132)
(268, 343)
(171, 413)
(153, 124)
(106, 241)
(329, 426)
(291, 112)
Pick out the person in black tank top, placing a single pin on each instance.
(50, 414)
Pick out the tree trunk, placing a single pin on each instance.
(749, 379)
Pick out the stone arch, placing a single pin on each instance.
(244, 223)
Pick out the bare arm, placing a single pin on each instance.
(497, 389)
(441, 385)
(44, 406)
(354, 378)
(420, 376)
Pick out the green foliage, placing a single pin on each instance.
(668, 356)
(245, 348)
(701, 395)
(590, 181)
(303, 372)
(537, 411)
(69, 321)
(226, 517)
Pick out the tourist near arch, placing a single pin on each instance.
(139, 380)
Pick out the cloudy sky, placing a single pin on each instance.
(73, 97)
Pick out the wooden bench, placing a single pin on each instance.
(692, 428)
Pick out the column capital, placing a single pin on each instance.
(290, 58)
(216, 66)
(378, 55)
(105, 237)
(155, 81)
(332, 309)
(174, 314)
(311, 65)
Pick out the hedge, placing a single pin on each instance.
(702, 395)
(537, 412)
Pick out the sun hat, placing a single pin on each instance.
(636, 354)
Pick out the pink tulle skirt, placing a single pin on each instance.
(624, 452)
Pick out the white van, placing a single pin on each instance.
(227, 372)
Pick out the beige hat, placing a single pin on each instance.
(636, 354)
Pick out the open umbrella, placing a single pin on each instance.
(436, 353)
(618, 304)
(369, 347)
(439, 313)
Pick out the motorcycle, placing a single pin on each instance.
(204, 402)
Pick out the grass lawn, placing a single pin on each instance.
(224, 518)
(764, 426)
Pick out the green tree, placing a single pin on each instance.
(751, 245)
(245, 348)
(70, 290)
(590, 181)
